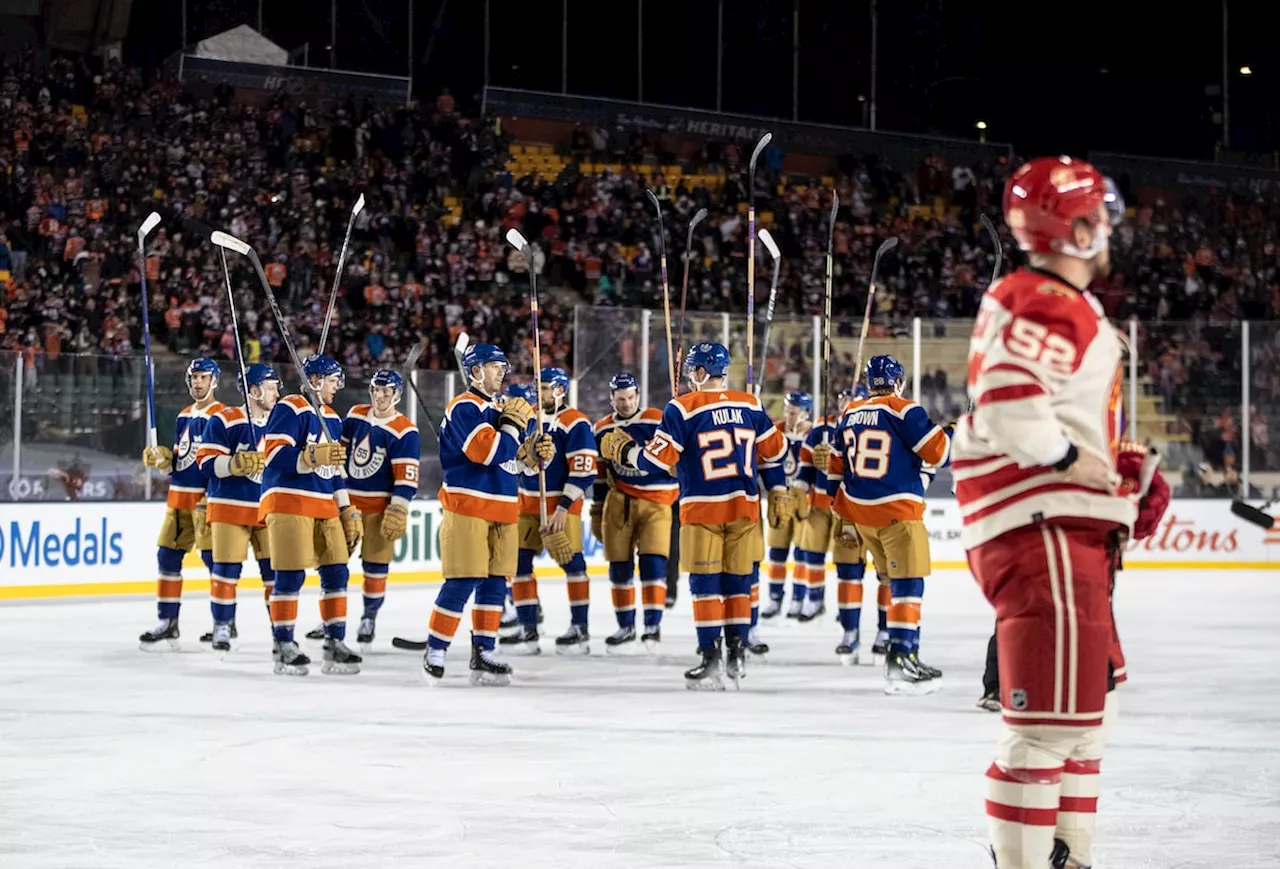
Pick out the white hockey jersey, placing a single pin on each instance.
(1044, 373)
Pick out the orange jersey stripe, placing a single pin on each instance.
(234, 514)
(321, 507)
(369, 504)
(529, 505)
(657, 496)
(505, 512)
(878, 515)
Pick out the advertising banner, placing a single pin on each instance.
(97, 548)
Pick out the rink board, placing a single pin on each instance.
(104, 548)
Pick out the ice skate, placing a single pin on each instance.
(904, 675)
(162, 638)
(794, 610)
(208, 636)
(934, 672)
(1059, 855)
(316, 633)
(620, 641)
(652, 639)
(574, 641)
(221, 642)
(339, 660)
(771, 608)
(847, 651)
(364, 633)
(880, 648)
(990, 701)
(707, 675)
(523, 641)
(671, 594)
(433, 666)
(735, 666)
(755, 645)
(289, 660)
(487, 669)
(509, 617)
(811, 609)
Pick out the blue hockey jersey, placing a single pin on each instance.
(479, 461)
(646, 484)
(187, 483)
(286, 488)
(233, 500)
(383, 459)
(571, 470)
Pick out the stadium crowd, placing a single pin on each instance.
(89, 152)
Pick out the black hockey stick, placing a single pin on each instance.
(1255, 515)
(409, 645)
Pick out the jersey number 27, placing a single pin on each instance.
(718, 453)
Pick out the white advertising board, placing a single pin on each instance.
(94, 548)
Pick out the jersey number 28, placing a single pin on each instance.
(718, 449)
(870, 446)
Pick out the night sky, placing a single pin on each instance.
(1119, 76)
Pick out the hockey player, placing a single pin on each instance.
(797, 410)
(383, 463)
(310, 519)
(479, 497)
(714, 436)
(231, 458)
(184, 522)
(569, 461)
(1037, 486)
(630, 515)
(883, 442)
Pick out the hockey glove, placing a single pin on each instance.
(597, 520)
(352, 527)
(158, 457)
(246, 464)
(200, 518)
(331, 453)
(782, 508)
(614, 445)
(822, 456)
(558, 547)
(847, 536)
(800, 495)
(395, 519)
(536, 449)
(517, 412)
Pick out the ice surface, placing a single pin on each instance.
(110, 757)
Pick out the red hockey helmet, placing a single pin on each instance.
(1045, 197)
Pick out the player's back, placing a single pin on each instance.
(885, 440)
(722, 435)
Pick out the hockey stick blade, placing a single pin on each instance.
(653, 197)
(230, 242)
(995, 242)
(359, 206)
(766, 238)
(1253, 515)
(698, 216)
(152, 221)
(414, 355)
(516, 240)
(760, 146)
(409, 645)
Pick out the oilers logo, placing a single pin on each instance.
(365, 459)
(513, 467)
(184, 451)
(790, 466)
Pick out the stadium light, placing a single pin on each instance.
(981, 125)
(1244, 70)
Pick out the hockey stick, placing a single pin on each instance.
(776, 255)
(995, 240)
(152, 221)
(337, 274)
(409, 645)
(410, 361)
(1255, 515)
(235, 330)
(230, 242)
(518, 241)
(666, 296)
(820, 389)
(460, 350)
(751, 257)
(698, 217)
(885, 246)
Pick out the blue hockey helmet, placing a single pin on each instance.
(709, 356)
(257, 374)
(521, 390)
(860, 391)
(623, 380)
(556, 378)
(322, 367)
(884, 374)
(802, 400)
(203, 365)
(387, 377)
(481, 355)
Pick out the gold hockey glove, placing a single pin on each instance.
(517, 412)
(331, 453)
(614, 445)
(200, 518)
(558, 546)
(781, 507)
(158, 457)
(822, 456)
(352, 527)
(597, 520)
(395, 519)
(846, 536)
(247, 463)
(801, 497)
